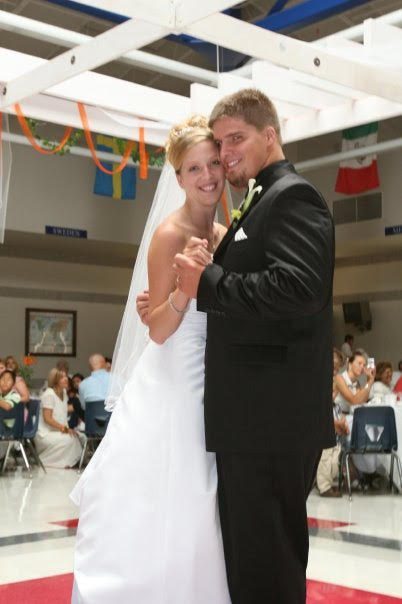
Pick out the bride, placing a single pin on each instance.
(149, 529)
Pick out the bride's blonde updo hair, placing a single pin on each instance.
(183, 136)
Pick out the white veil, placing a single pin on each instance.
(133, 335)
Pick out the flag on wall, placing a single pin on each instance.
(360, 173)
(118, 186)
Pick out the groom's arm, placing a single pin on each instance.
(297, 280)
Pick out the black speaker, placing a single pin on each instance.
(357, 313)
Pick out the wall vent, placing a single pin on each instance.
(356, 209)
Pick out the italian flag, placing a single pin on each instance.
(360, 173)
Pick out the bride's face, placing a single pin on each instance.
(201, 174)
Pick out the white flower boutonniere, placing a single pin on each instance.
(237, 214)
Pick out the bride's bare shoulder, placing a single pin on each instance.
(169, 236)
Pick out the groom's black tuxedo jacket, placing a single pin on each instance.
(268, 295)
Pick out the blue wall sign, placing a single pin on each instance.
(66, 232)
(393, 230)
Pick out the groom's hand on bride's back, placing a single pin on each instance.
(142, 305)
(197, 249)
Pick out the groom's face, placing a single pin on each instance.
(244, 150)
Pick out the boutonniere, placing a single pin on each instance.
(237, 214)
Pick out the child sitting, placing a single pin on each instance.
(8, 396)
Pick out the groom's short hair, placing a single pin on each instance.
(251, 105)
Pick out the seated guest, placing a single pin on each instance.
(2, 365)
(347, 346)
(8, 395)
(108, 364)
(8, 399)
(95, 387)
(77, 379)
(350, 394)
(57, 444)
(398, 387)
(396, 376)
(76, 413)
(347, 383)
(20, 385)
(327, 471)
(62, 365)
(382, 382)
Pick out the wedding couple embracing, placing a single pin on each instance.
(197, 494)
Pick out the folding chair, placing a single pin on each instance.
(373, 432)
(14, 433)
(96, 421)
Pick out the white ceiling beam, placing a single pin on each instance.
(302, 56)
(204, 98)
(369, 109)
(159, 12)
(103, 91)
(376, 56)
(286, 108)
(331, 87)
(356, 31)
(18, 139)
(59, 111)
(98, 51)
(172, 14)
(137, 58)
(277, 82)
(189, 12)
(383, 42)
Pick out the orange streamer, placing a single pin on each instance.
(88, 138)
(224, 202)
(27, 131)
(143, 156)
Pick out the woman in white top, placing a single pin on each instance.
(350, 393)
(57, 445)
(383, 379)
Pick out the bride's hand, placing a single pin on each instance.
(197, 249)
(142, 305)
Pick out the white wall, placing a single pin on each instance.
(58, 285)
(97, 328)
(377, 281)
(383, 341)
(57, 191)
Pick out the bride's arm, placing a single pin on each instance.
(163, 319)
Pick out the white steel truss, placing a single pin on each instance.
(319, 87)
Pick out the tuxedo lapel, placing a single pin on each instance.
(266, 178)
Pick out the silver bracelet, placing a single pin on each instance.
(173, 307)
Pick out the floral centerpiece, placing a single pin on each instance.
(26, 368)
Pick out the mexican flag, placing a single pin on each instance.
(360, 173)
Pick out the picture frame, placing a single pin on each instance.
(50, 333)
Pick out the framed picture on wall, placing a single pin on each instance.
(50, 333)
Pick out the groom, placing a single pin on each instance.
(268, 383)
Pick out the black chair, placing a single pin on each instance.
(31, 428)
(13, 434)
(96, 422)
(373, 432)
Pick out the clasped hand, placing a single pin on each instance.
(188, 267)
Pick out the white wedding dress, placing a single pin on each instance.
(149, 529)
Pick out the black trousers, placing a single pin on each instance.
(262, 505)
